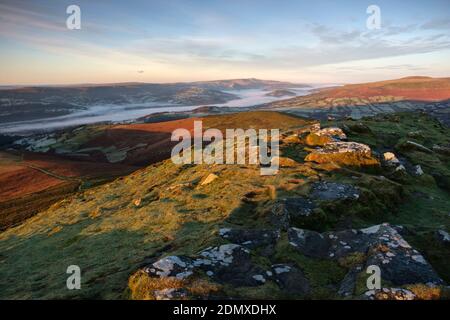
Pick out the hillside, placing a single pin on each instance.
(164, 232)
(414, 89)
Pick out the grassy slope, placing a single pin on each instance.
(406, 89)
(109, 237)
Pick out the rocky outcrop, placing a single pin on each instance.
(291, 279)
(324, 136)
(333, 191)
(264, 239)
(390, 294)
(286, 210)
(344, 153)
(383, 246)
(332, 132)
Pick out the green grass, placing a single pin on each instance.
(109, 237)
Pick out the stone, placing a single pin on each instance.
(230, 263)
(348, 284)
(293, 138)
(291, 279)
(309, 243)
(172, 266)
(382, 245)
(313, 140)
(170, 294)
(210, 178)
(284, 162)
(286, 210)
(332, 132)
(358, 127)
(344, 153)
(444, 150)
(443, 237)
(411, 145)
(417, 170)
(264, 239)
(390, 294)
(333, 191)
(390, 159)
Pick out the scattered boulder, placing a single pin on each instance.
(332, 132)
(171, 294)
(390, 294)
(357, 127)
(348, 284)
(264, 239)
(443, 237)
(210, 178)
(344, 153)
(179, 267)
(286, 210)
(284, 162)
(311, 128)
(293, 138)
(444, 150)
(418, 171)
(230, 263)
(309, 243)
(291, 279)
(384, 247)
(313, 140)
(332, 191)
(414, 146)
(390, 159)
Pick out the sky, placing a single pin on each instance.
(190, 40)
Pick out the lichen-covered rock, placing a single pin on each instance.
(332, 132)
(309, 243)
(291, 280)
(286, 210)
(264, 239)
(390, 159)
(179, 267)
(400, 264)
(348, 284)
(344, 153)
(333, 191)
(293, 138)
(171, 294)
(284, 162)
(230, 263)
(390, 294)
(313, 140)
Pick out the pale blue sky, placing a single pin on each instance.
(168, 40)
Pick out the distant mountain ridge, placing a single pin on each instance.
(35, 102)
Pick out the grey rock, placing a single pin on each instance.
(170, 294)
(308, 243)
(443, 237)
(348, 284)
(291, 279)
(382, 244)
(264, 239)
(285, 210)
(331, 191)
